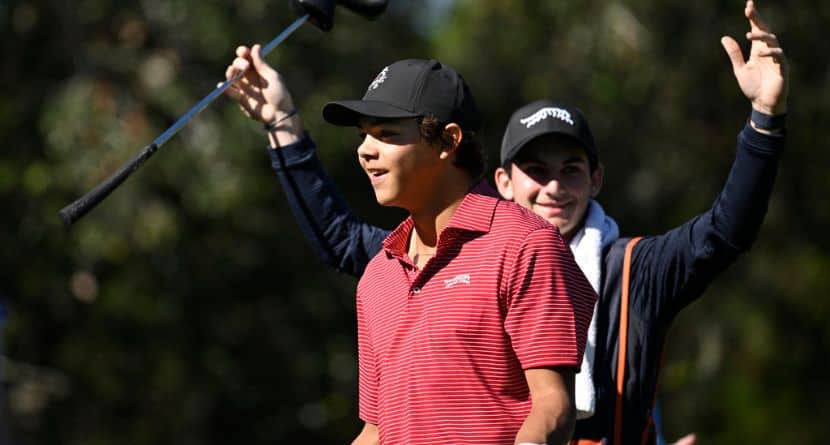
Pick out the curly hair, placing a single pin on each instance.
(470, 155)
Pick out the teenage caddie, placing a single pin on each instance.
(550, 165)
(472, 316)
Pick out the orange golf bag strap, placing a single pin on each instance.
(621, 350)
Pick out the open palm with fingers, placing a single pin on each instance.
(763, 77)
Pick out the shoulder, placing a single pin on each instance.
(520, 233)
(614, 254)
(616, 250)
(512, 218)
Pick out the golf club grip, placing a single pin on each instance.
(84, 204)
(366, 8)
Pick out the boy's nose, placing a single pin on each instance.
(366, 150)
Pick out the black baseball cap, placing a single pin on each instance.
(545, 117)
(411, 88)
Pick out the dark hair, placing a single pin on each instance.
(470, 155)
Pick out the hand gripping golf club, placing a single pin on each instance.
(319, 12)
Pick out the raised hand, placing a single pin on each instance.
(261, 93)
(764, 76)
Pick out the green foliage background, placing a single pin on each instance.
(187, 307)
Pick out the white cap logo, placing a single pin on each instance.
(381, 77)
(545, 113)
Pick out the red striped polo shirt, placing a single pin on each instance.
(442, 350)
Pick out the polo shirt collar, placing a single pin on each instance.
(475, 214)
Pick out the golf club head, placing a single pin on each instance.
(367, 8)
(320, 12)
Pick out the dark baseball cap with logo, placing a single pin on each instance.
(545, 117)
(407, 89)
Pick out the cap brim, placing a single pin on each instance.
(346, 113)
(514, 151)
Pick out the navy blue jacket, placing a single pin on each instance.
(668, 271)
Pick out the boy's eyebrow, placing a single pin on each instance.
(383, 130)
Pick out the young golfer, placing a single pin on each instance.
(472, 317)
(550, 165)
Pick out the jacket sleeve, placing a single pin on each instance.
(673, 269)
(336, 235)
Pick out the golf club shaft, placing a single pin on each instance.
(84, 204)
(224, 86)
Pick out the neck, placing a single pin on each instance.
(434, 215)
(569, 236)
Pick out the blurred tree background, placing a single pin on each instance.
(187, 307)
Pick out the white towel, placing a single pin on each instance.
(587, 245)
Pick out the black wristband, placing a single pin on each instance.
(274, 124)
(768, 122)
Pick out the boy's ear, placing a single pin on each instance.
(455, 135)
(504, 183)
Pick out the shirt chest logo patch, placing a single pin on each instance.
(458, 279)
